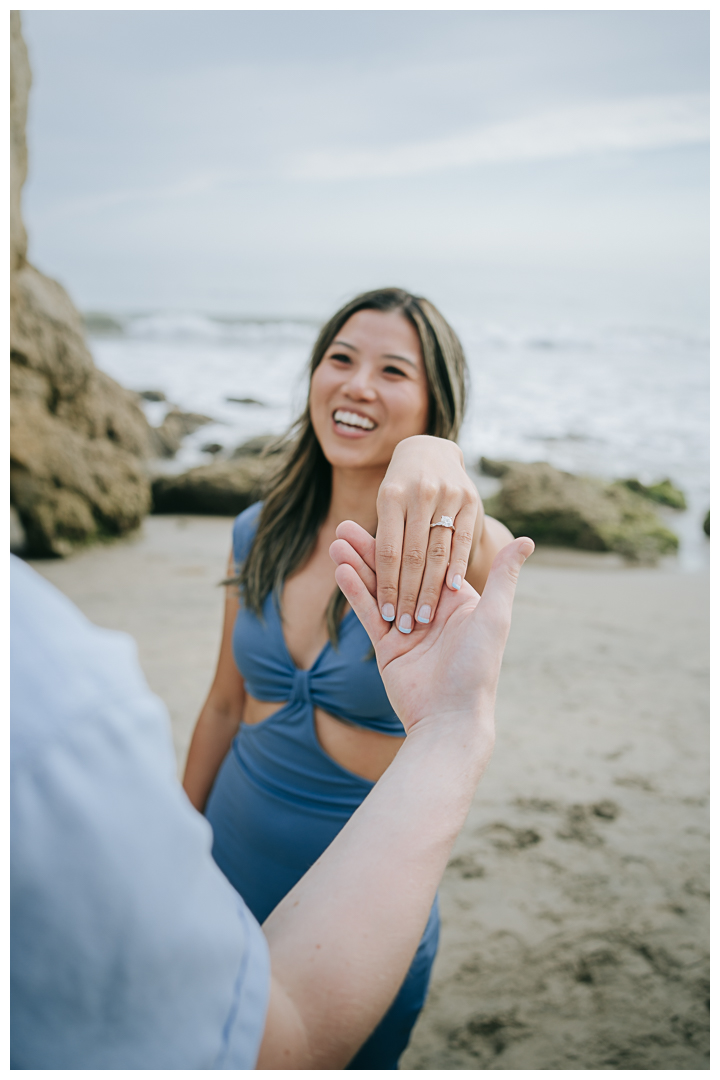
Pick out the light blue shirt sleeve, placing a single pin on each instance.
(129, 948)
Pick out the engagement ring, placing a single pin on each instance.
(446, 522)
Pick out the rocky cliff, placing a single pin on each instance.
(77, 438)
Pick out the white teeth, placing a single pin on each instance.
(352, 419)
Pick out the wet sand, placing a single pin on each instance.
(575, 907)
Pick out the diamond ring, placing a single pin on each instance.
(446, 522)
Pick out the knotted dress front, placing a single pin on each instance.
(279, 799)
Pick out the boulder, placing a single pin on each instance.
(77, 438)
(555, 507)
(663, 492)
(18, 540)
(20, 79)
(224, 488)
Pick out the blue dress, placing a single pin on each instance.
(279, 799)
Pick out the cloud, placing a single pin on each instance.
(629, 124)
(84, 205)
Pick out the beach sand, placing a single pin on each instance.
(575, 907)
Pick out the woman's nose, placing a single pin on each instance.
(360, 385)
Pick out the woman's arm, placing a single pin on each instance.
(221, 714)
(490, 537)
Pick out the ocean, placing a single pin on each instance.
(610, 400)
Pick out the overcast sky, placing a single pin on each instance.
(277, 161)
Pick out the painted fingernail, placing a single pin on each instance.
(388, 612)
(405, 624)
(457, 581)
(423, 614)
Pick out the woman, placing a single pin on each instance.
(296, 672)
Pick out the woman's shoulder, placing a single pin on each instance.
(244, 529)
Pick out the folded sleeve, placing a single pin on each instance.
(129, 948)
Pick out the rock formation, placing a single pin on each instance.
(555, 507)
(224, 488)
(77, 438)
(663, 492)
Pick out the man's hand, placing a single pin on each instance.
(425, 481)
(453, 664)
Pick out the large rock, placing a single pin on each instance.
(663, 492)
(20, 79)
(555, 507)
(77, 438)
(222, 488)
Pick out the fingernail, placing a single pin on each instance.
(457, 581)
(388, 612)
(527, 548)
(405, 624)
(423, 614)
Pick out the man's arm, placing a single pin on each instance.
(342, 940)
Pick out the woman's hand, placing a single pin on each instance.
(450, 666)
(425, 480)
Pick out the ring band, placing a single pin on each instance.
(445, 522)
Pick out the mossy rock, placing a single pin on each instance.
(223, 488)
(555, 507)
(663, 492)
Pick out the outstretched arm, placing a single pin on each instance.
(342, 940)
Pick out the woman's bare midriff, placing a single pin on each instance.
(359, 750)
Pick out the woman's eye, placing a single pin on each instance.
(340, 356)
(390, 370)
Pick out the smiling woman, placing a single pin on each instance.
(296, 671)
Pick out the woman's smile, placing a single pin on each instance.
(352, 424)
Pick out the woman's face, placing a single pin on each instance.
(369, 391)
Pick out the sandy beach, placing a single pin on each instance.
(575, 908)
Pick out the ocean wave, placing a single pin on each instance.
(198, 326)
(186, 326)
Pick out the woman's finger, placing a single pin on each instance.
(341, 552)
(462, 544)
(388, 551)
(437, 555)
(413, 563)
(362, 603)
(358, 538)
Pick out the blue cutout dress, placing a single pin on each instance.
(279, 799)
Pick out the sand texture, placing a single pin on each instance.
(575, 907)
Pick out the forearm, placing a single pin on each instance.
(214, 732)
(490, 537)
(342, 940)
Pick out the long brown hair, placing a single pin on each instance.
(298, 493)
